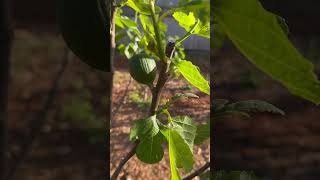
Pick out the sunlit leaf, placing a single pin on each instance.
(179, 153)
(193, 75)
(258, 35)
(186, 128)
(142, 7)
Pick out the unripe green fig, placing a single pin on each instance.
(84, 27)
(143, 68)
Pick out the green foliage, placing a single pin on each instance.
(185, 127)
(141, 6)
(193, 75)
(188, 21)
(149, 149)
(259, 36)
(254, 106)
(218, 36)
(179, 152)
(202, 134)
(221, 108)
(180, 134)
(180, 131)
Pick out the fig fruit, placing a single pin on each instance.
(143, 68)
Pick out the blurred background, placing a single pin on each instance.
(57, 104)
(274, 147)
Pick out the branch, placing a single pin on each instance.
(39, 120)
(113, 11)
(162, 78)
(197, 172)
(124, 161)
(156, 94)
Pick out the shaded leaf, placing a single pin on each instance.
(218, 104)
(141, 7)
(218, 36)
(254, 106)
(149, 149)
(202, 134)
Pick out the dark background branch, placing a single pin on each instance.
(39, 120)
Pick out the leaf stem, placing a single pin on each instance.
(183, 7)
(167, 13)
(155, 22)
(189, 33)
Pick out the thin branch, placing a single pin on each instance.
(156, 94)
(113, 11)
(154, 105)
(162, 78)
(197, 172)
(124, 161)
(39, 120)
(188, 34)
(156, 91)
